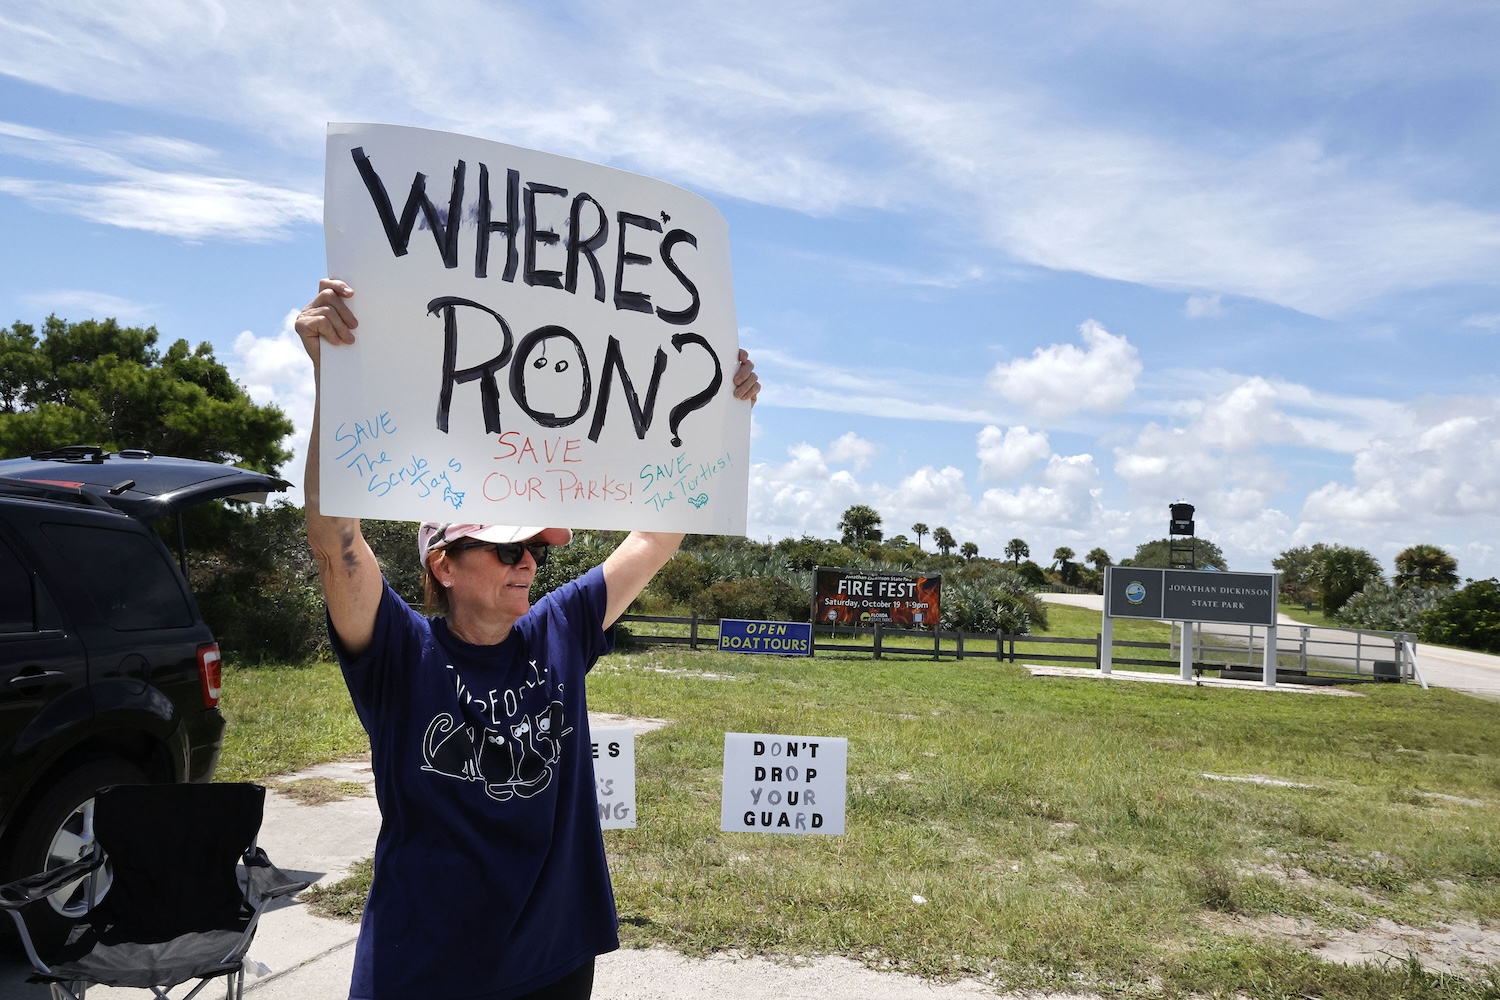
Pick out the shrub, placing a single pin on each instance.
(682, 578)
(1390, 609)
(768, 598)
(996, 601)
(587, 550)
(256, 581)
(1469, 618)
(807, 552)
(1032, 574)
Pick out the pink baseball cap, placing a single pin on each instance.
(434, 535)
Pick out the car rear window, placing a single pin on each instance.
(17, 605)
(131, 580)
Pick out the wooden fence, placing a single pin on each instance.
(880, 641)
(1228, 657)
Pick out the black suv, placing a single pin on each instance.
(108, 673)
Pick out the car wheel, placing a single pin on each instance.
(58, 831)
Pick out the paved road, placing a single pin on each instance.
(1441, 666)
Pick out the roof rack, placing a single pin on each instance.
(88, 454)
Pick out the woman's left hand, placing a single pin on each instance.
(746, 382)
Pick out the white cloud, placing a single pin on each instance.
(852, 450)
(1228, 438)
(1005, 454)
(1488, 322)
(1066, 497)
(1445, 465)
(928, 491)
(792, 380)
(276, 369)
(129, 194)
(828, 109)
(1063, 379)
(1427, 472)
(1204, 306)
(807, 465)
(79, 303)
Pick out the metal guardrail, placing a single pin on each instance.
(1311, 651)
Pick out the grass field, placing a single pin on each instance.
(1063, 833)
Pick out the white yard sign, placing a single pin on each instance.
(784, 784)
(614, 776)
(541, 341)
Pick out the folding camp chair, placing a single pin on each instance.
(176, 909)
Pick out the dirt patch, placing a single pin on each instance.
(656, 973)
(640, 724)
(319, 791)
(1257, 779)
(1458, 948)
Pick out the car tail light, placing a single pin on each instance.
(209, 670)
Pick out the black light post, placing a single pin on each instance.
(1182, 553)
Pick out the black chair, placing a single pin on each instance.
(176, 908)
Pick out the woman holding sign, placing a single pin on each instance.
(490, 877)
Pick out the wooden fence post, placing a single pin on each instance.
(877, 640)
(693, 633)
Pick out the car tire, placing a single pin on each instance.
(58, 829)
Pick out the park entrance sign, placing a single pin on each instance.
(1189, 596)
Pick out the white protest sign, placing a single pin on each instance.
(540, 341)
(784, 784)
(614, 776)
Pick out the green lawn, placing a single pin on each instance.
(1062, 832)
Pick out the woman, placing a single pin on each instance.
(490, 877)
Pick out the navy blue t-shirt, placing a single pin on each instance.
(490, 877)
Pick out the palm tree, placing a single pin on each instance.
(943, 539)
(919, 529)
(1426, 566)
(1062, 556)
(968, 550)
(1098, 559)
(1016, 550)
(860, 523)
(1343, 572)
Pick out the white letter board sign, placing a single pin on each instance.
(614, 776)
(784, 784)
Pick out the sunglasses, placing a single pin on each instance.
(509, 553)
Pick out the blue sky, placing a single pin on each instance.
(1021, 270)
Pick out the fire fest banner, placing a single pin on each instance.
(864, 597)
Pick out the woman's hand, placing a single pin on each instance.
(746, 382)
(328, 317)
